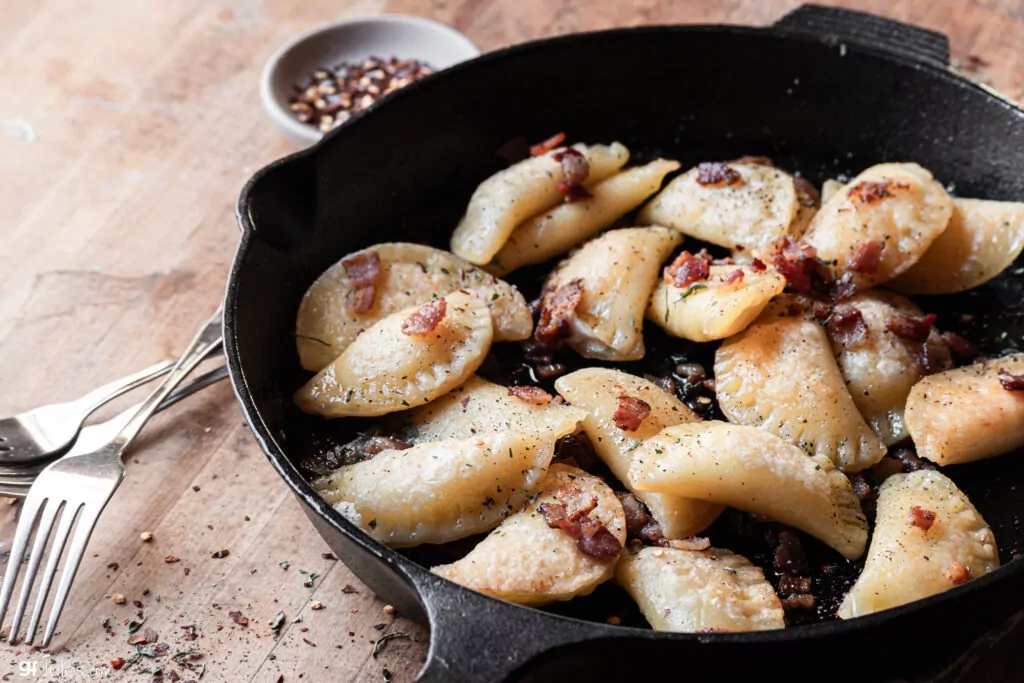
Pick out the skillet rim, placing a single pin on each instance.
(416, 574)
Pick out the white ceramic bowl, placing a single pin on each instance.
(353, 40)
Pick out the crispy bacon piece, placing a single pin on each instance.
(871, 191)
(758, 265)
(636, 516)
(867, 256)
(921, 518)
(798, 262)
(547, 145)
(1011, 382)
(361, 300)
(575, 170)
(362, 269)
(911, 328)
(958, 574)
(843, 288)
(804, 187)
(688, 268)
(690, 543)
(578, 504)
(717, 174)
(734, 277)
(630, 412)
(425, 319)
(846, 325)
(591, 535)
(752, 161)
(556, 310)
(963, 349)
(532, 395)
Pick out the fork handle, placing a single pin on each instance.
(108, 392)
(206, 342)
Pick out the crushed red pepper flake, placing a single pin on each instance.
(547, 145)
(532, 395)
(921, 518)
(630, 412)
(425, 319)
(717, 174)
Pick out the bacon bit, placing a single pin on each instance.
(362, 269)
(1011, 382)
(578, 504)
(717, 174)
(798, 263)
(872, 191)
(425, 319)
(799, 601)
(818, 310)
(575, 170)
(921, 518)
(752, 161)
(238, 618)
(758, 265)
(810, 191)
(117, 663)
(911, 328)
(843, 288)
(734, 277)
(361, 300)
(597, 541)
(554, 513)
(547, 145)
(533, 395)
(866, 256)
(690, 543)
(556, 310)
(687, 269)
(934, 357)
(958, 574)
(630, 412)
(846, 325)
(963, 349)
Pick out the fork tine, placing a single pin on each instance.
(86, 524)
(43, 529)
(29, 511)
(60, 539)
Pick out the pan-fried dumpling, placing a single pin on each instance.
(597, 391)
(899, 206)
(728, 204)
(400, 363)
(966, 414)
(520, 192)
(982, 239)
(617, 272)
(779, 374)
(928, 538)
(402, 275)
(480, 406)
(829, 188)
(717, 308)
(527, 562)
(881, 369)
(754, 470)
(554, 233)
(690, 591)
(440, 491)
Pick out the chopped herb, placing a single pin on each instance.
(405, 403)
(187, 653)
(488, 502)
(666, 305)
(387, 676)
(372, 524)
(314, 576)
(105, 622)
(298, 620)
(252, 571)
(134, 626)
(729, 570)
(304, 336)
(284, 565)
(348, 396)
(147, 652)
(377, 644)
(277, 623)
(690, 291)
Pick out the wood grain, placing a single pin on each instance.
(128, 130)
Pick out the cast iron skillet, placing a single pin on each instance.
(824, 91)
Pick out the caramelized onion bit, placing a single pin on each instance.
(425, 319)
(630, 412)
(532, 395)
(717, 174)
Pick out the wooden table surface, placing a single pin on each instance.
(128, 129)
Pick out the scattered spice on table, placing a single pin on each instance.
(171, 559)
(330, 96)
(220, 554)
(146, 536)
(379, 643)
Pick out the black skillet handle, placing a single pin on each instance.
(841, 26)
(475, 639)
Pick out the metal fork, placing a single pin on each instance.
(48, 430)
(80, 486)
(16, 481)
